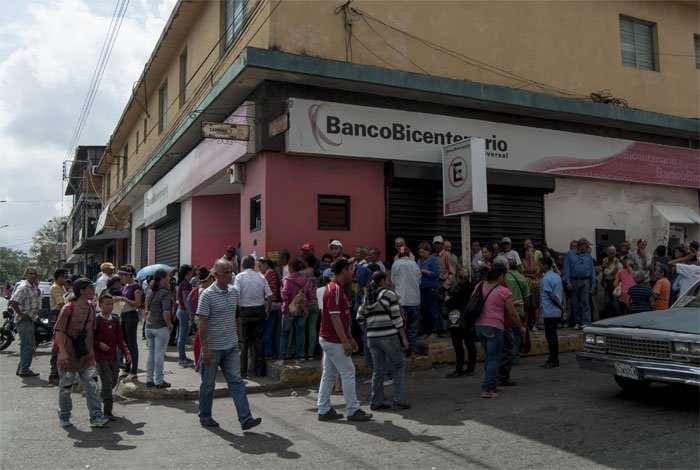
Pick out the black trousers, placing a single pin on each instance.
(550, 332)
(463, 337)
(109, 373)
(253, 323)
(130, 327)
(506, 363)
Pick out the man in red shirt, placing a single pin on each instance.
(338, 345)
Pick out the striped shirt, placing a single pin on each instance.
(640, 298)
(383, 317)
(220, 308)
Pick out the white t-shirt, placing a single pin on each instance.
(689, 273)
(512, 254)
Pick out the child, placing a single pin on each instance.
(108, 336)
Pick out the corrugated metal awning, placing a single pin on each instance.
(678, 213)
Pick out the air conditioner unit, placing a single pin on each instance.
(237, 173)
(93, 170)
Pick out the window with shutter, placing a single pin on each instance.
(637, 43)
(697, 51)
(234, 20)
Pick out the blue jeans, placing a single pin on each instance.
(299, 323)
(518, 341)
(369, 358)
(183, 329)
(336, 362)
(25, 329)
(269, 339)
(230, 363)
(612, 308)
(412, 325)
(429, 306)
(491, 339)
(88, 379)
(581, 307)
(386, 349)
(157, 344)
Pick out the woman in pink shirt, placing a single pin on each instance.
(489, 326)
(626, 277)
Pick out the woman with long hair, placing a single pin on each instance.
(611, 266)
(484, 264)
(532, 271)
(386, 339)
(185, 316)
(498, 304)
(158, 327)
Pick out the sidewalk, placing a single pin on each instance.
(185, 381)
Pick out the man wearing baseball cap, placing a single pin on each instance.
(307, 248)
(580, 278)
(104, 277)
(508, 251)
(336, 249)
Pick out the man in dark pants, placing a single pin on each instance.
(553, 310)
(255, 300)
(58, 290)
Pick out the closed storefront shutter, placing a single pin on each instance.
(414, 212)
(144, 248)
(168, 243)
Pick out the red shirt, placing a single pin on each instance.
(335, 302)
(108, 331)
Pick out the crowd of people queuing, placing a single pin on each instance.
(246, 312)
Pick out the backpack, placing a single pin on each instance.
(299, 304)
(476, 304)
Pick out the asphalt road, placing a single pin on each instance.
(565, 418)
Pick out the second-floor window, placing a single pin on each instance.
(183, 77)
(697, 50)
(637, 40)
(234, 19)
(163, 108)
(125, 163)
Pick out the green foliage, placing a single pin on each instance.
(12, 264)
(48, 248)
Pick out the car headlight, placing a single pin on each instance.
(695, 348)
(590, 339)
(600, 340)
(683, 348)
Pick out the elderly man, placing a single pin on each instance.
(104, 277)
(405, 280)
(26, 302)
(580, 278)
(398, 243)
(476, 255)
(255, 299)
(508, 251)
(447, 266)
(219, 328)
(642, 260)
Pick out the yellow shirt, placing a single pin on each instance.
(56, 297)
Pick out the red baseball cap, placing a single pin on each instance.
(404, 250)
(307, 247)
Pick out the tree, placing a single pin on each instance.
(49, 246)
(12, 264)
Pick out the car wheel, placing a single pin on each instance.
(631, 385)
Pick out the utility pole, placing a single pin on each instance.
(85, 228)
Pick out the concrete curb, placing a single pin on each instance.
(280, 377)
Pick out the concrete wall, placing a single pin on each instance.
(566, 44)
(289, 196)
(215, 224)
(186, 230)
(579, 206)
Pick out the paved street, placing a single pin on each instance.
(552, 419)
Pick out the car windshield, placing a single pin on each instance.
(691, 299)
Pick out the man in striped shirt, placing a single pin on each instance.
(219, 327)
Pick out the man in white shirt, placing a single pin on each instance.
(508, 251)
(254, 300)
(688, 270)
(104, 277)
(476, 255)
(405, 279)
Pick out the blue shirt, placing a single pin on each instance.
(577, 265)
(551, 282)
(432, 265)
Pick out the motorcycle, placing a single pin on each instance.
(43, 333)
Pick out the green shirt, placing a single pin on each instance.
(519, 289)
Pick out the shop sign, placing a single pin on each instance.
(464, 177)
(225, 131)
(344, 130)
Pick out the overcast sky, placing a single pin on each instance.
(48, 53)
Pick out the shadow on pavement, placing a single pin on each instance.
(34, 382)
(106, 438)
(258, 443)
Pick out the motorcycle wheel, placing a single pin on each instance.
(5, 339)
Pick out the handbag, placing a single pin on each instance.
(617, 291)
(80, 347)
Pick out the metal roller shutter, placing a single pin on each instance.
(415, 214)
(144, 247)
(168, 243)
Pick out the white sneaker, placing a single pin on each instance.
(388, 383)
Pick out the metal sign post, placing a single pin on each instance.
(464, 186)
